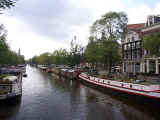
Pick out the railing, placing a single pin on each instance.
(132, 86)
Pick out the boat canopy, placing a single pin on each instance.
(14, 72)
(8, 80)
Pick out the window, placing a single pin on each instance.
(137, 67)
(124, 67)
(126, 55)
(128, 40)
(132, 39)
(135, 54)
(125, 47)
(129, 46)
(138, 54)
(137, 44)
(129, 55)
(133, 45)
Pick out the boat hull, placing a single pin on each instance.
(126, 96)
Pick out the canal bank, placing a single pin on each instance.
(48, 98)
(141, 92)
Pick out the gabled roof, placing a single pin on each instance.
(135, 26)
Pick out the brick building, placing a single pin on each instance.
(134, 55)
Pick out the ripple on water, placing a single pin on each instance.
(47, 98)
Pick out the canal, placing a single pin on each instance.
(45, 97)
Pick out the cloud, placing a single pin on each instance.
(139, 14)
(20, 36)
(51, 18)
(38, 26)
(99, 7)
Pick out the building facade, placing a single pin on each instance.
(134, 55)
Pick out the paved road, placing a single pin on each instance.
(46, 97)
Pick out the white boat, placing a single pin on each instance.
(11, 86)
(147, 92)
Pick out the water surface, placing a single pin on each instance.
(45, 97)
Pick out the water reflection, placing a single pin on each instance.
(47, 97)
(9, 109)
(105, 107)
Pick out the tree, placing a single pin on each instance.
(7, 56)
(152, 43)
(4, 48)
(92, 51)
(6, 4)
(44, 58)
(105, 34)
(112, 25)
(76, 55)
(60, 56)
(110, 53)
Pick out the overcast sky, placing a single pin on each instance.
(37, 26)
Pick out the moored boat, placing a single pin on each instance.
(143, 93)
(42, 67)
(10, 83)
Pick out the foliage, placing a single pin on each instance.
(61, 56)
(6, 4)
(92, 51)
(110, 53)
(152, 44)
(112, 25)
(7, 56)
(76, 53)
(102, 51)
(103, 47)
(3, 76)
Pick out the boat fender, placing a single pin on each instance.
(108, 82)
(122, 85)
(130, 86)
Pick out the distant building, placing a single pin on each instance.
(134, 55)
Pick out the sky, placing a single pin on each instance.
(37, 26)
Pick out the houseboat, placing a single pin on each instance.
(71, 73)
(138, 92)
(42, 67)
(10, 83)
(23, 69)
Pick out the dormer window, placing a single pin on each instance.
(152, 19)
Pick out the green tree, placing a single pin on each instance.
(92, 51)
(113, 25)
(103, 46)
(110, 53)
(152, 43)
(44, 58)
(60, 56)
(76, 52)
(4, 48)
(7, 56)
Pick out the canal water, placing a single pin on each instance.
(46, 97)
